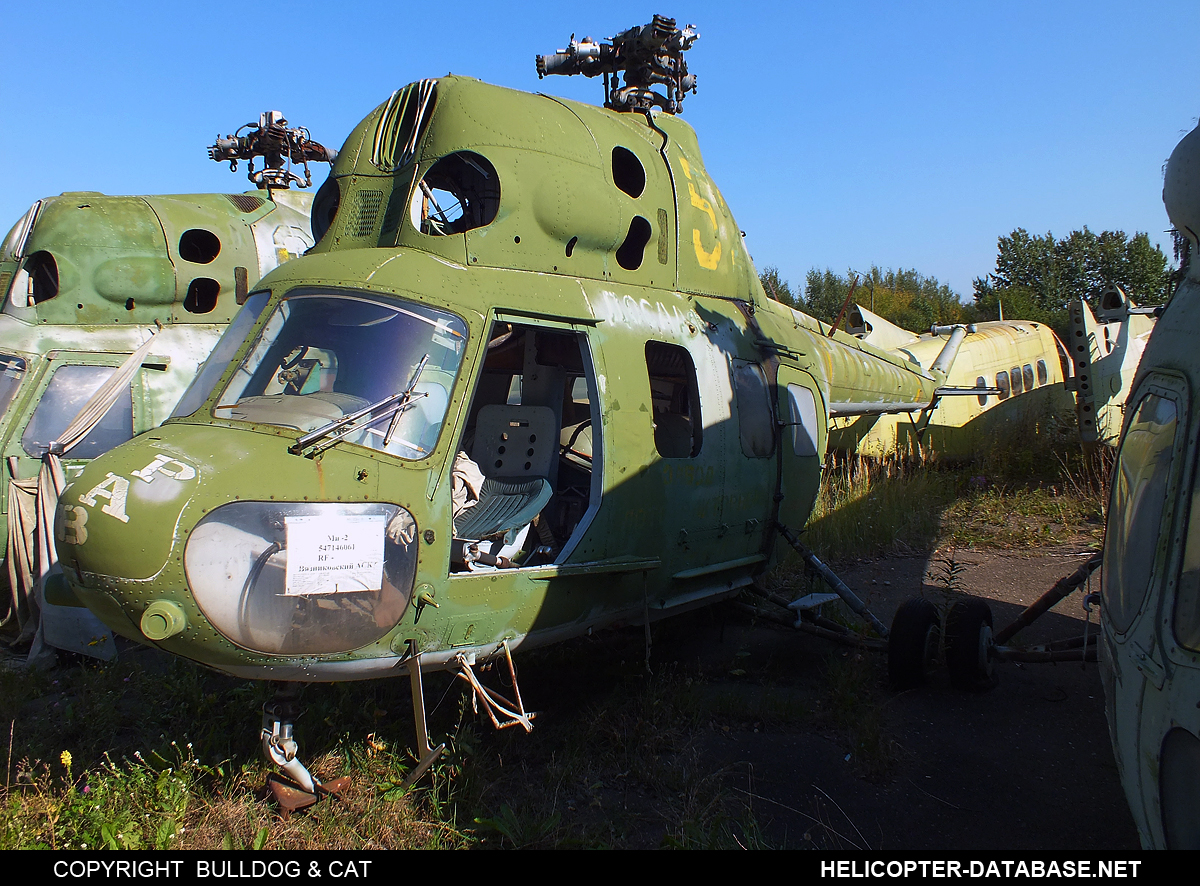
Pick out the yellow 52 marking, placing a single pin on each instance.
(702, 204)
(706, 259)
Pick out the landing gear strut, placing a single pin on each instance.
(973, 647)
(280, 747)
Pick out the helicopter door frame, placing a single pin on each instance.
(1140, 690)
(1177, 736)
(795, 460)
(582, 330)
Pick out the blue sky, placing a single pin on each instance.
(841, 135)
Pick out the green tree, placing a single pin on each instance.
(904, 297)
(824, 294)
(778, 288)
(1038, 278)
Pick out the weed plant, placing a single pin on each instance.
(177, 764)
(1043, 491)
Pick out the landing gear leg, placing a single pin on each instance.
(428, 754)
(280, 747)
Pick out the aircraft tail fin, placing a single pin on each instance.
(875, 330)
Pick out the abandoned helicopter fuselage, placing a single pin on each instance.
(1151, 586)
(91, 282)
(88, 278)
(526, 384)
(588, 329)
(1010, 377)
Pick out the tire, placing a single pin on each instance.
(913, 643)
(969, 644)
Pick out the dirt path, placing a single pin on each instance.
(1026, 765)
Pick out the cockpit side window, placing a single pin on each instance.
(218, 360)
(69, 389)
(675, 394)
(1138, 498)
(12, 372)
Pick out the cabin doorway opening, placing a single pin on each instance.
(526, 475)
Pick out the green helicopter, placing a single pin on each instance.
(526, 385)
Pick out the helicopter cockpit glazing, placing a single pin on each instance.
(327, 354)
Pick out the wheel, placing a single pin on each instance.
(969, 644)
(913, 643)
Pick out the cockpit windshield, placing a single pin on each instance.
(326, 354)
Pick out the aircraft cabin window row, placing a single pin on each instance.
(1016, 380)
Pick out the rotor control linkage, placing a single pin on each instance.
(847, 595)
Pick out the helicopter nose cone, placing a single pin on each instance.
(1181, 189)
(183, 540)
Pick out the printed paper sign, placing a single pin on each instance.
(334, 555)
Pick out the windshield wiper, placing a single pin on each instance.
(393, 406)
